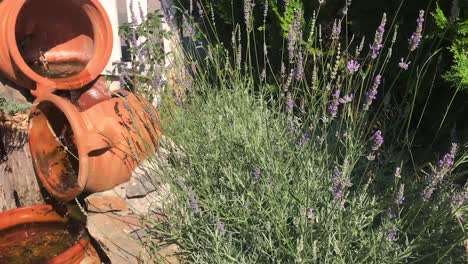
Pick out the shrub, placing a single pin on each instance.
(316, 163)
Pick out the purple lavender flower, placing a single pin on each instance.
(289, 103)
(263, 75)
(417, 35)
(300, 66)
(256, 174)
(311, 214)
(290, 78)
(248, 6)
(305, 138)
(438, 174)
(333, 106)
(378, 140)
(400, 197)
(201, 13)
(353, 66)
(397, 172)
(392, 234)
(291, 45)
(378, 38)
(336, 30)
(140, 10)
(220, 227)
(283, 70)
(133, 18)
(156, 80)
(338, 187)
(346, 99)
(297, 23)
(372, 93)
(404, 65)
(188, 28)
(194, 205)
(460, 198)
(265, 11)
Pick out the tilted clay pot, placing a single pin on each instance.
(53, 44)
(13, 240)
(92, 150)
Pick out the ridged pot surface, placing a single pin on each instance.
(92, 150)
(53, 44)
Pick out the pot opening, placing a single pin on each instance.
(55, 37)
(38, 242)
(55, 151)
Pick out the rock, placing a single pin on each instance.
(142, 181)
(11, 94)
(102, 203)
(152, 201)
(112, 232)
(120, 233)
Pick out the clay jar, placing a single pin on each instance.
(13, 239)
(49, 44)
(94, 149)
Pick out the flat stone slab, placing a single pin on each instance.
(112, 232)
(122, 238)
(99, 203)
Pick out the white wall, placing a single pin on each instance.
(119, 13)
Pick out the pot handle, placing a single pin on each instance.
(102, 138)
(42, 90)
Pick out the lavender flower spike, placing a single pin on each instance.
(248, 6)
(400, 198)
(404, 65)
(338, 187)
(333, 106)
(378, 38)
(336, 31)
(256, 174)
(417, 35)
(194, 205)
(392, 234)
(438, 174)
(378, 140)
(289, 103)
(372, 93)
(353, 66)
(458, 199)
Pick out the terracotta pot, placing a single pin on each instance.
(93, 150)
(80, 250)
(53, 44)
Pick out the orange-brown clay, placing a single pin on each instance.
(53, 44)
(92, 150)
(46, 214)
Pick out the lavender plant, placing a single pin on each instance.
(302, 164)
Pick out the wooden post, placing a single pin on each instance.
(18, 183)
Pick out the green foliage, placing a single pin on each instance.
(13, 108)
(306, 164)
(286, 17)
(146, 54)
(439, 17)
(458, 34)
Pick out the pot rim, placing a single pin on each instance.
(79, 126)
(98, 62)
(44, 213)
